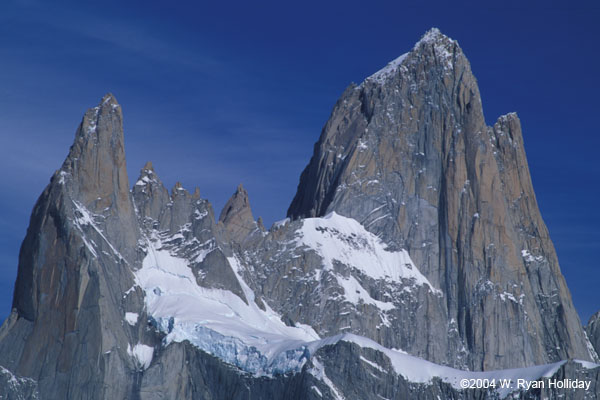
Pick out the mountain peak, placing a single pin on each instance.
(433, 35)
(96, 166)
(109, 99)
(409, 156)
(419, 219)
(236, 215)
(148, 166)
(443, 49)
(440, 42)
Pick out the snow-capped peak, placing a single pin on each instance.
(432, 35)
(386, 72)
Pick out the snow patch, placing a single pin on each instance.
(317, 391)
(84, 217)
(386, 72)
(355, 293)
(131, 318)
(142, 354)
(279, 224)
(62, 175)
(372, 364)
(361, 145)
(587, 364)
(509, 296)
(13, 380)
(417, 370)
(318, 371)
(527, 256)
(146, 179)
(342, 239)
(440, 45)
(591, 351)
(200, 215)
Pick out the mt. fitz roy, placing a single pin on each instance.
(414, 257)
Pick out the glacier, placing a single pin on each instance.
(257, 341)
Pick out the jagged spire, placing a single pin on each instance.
(148, 166)
(237, 217)
(96, 166)
(433, 35)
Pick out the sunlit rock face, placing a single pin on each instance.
(413, 256)
(407, 154)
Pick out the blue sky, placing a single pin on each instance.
(217, 94)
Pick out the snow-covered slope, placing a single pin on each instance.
(244, 334)
(216, 320)
(418, 370)
(256, 340)
(141, 293)
(338, 238)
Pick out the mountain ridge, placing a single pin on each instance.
(118, 285)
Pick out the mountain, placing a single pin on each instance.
(408, 155)
(413, 257)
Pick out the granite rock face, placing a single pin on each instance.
(408, 154)
(236, 217)
(66, 329)
(593, 331)
(415, 228)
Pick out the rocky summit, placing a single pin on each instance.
(413, 263)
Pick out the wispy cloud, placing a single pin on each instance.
(143, 38)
